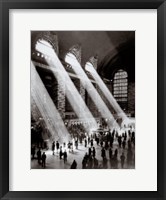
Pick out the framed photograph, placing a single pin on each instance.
(82, 99)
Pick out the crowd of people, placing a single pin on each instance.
(104, 150)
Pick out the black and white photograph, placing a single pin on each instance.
(82, 99)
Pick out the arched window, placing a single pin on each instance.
(44, 42)
(45, 46)
(120, 86)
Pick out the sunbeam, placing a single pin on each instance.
(72, 93)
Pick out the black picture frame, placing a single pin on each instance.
(5, 6)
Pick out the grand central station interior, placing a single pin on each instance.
(82, 100)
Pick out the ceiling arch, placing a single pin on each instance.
(47, 36)
(122, 57)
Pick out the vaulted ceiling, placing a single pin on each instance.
(115, 49)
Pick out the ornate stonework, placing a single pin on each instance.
(61, 97)
(48, 36)
(93, 60)
(76, 50)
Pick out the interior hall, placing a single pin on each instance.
(82, 99)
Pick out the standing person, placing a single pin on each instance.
(120, 140)
(94, 152)
(106, 144)
(122, 158)
(115, 162)
(103, 153)
(129, 156)
(76, 143)
(110, 153)
(111, 141)
(113, 134)
(105, 163)
(39, 156)
(88, 139)
(97, 140)
(85, 142)
(129, 144)
(73, 165)
(101, 143)
(90, 151)
(43, 160)
(116, 153)
(129, 133)
(86, 157)
(90, 164)
(65, 156)
(57, 146)
(132, 136)
(33, 152)
(95, 163)
(125, 136)
(91, 142)
(84, 162)
(53, 148)
(60, 153)
(69, 146)
(124, 143)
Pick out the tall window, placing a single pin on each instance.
(120, 87)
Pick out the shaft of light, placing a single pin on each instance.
(105, 91)
(47, 108)
(72, 93)
(99, 103)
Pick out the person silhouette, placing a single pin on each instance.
(73, 165)
(93, 152)
(39, 156)
(122, 158)
(65, 156)
(53, 148)
(43, 160)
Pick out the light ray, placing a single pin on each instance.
(89, 67)
(72, 93)
(47, 108)
(71, 59)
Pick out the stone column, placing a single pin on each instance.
(61, 97)
(82, 93)
(131, 98)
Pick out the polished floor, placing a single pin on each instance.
(54, 162)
